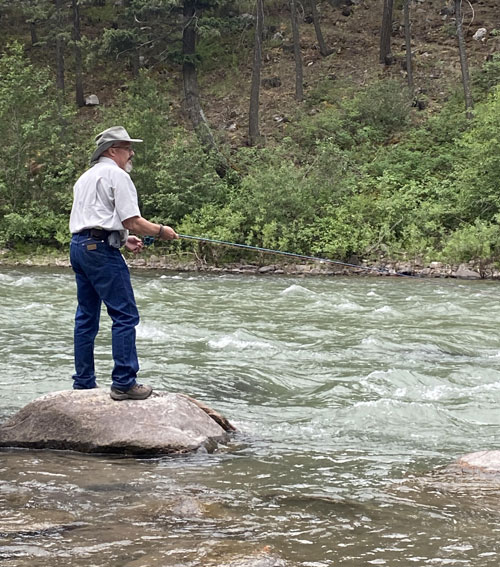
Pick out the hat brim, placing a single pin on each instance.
(103, 147)
(97, 153)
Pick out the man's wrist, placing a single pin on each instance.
(160, 232)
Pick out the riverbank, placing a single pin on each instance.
(191, 263)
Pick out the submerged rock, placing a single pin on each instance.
(482, 462)
(89, 421)
(258, 561)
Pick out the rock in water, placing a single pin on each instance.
(89, 421)
(481, 462)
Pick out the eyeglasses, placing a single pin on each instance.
(130, 150)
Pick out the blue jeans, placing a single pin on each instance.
(103, 276)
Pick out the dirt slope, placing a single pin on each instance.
(352, 33)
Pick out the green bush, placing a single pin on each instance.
(478, 242)
(328, 124)
(488, 77)
(36, 136)
(344, 230)
(184, 180)
(40, 226)
(379, 110)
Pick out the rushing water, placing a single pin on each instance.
(348, 393)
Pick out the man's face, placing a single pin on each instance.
(122, 153)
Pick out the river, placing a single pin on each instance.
(349, 394)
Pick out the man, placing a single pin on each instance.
(105, 209)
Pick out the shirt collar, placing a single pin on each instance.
(107, 160)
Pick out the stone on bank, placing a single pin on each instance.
(89, 421)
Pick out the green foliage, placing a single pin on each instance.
(34, 135)
(326, 91)
(344, 230)
(213, 221)
(184, 180)
(488, 76)
(368, 117)
(478, 242)
(326, 125)
(351, 177)
(37, 226)
(380, 109)
(118, 41)
(478, 173)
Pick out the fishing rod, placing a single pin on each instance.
(148, 240)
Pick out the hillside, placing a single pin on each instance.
(352, 171)
(354, 39)
(351, 29)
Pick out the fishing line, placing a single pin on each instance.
(289, 254)
(148, 240)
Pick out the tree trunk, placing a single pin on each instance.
(299, 77)
(80, 101)
(409, 63)
(253, 122)
(59, 48)
(190, 77)
(323, 49)
(33, 32)
(386, 32)
(469, 103)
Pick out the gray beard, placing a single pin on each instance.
(129, 167)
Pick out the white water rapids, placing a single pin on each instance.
(348, 393)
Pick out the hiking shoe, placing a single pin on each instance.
(137, 392)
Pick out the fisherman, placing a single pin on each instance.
(105, 208)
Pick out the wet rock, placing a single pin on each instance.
(187, 508)
(267, 269)
(481, 462)
(260, 560)
(465, 272)
(90, 421)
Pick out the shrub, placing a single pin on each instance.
(379, 110)
(478, 242)
(35, 155)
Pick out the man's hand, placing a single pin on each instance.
(134, 244)
(168, 233)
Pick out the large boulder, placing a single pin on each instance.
(90, 421)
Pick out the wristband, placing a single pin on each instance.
(160, 231)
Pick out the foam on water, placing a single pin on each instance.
(24, 281)
(239, 340)
(388, 310)
(296, 289)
